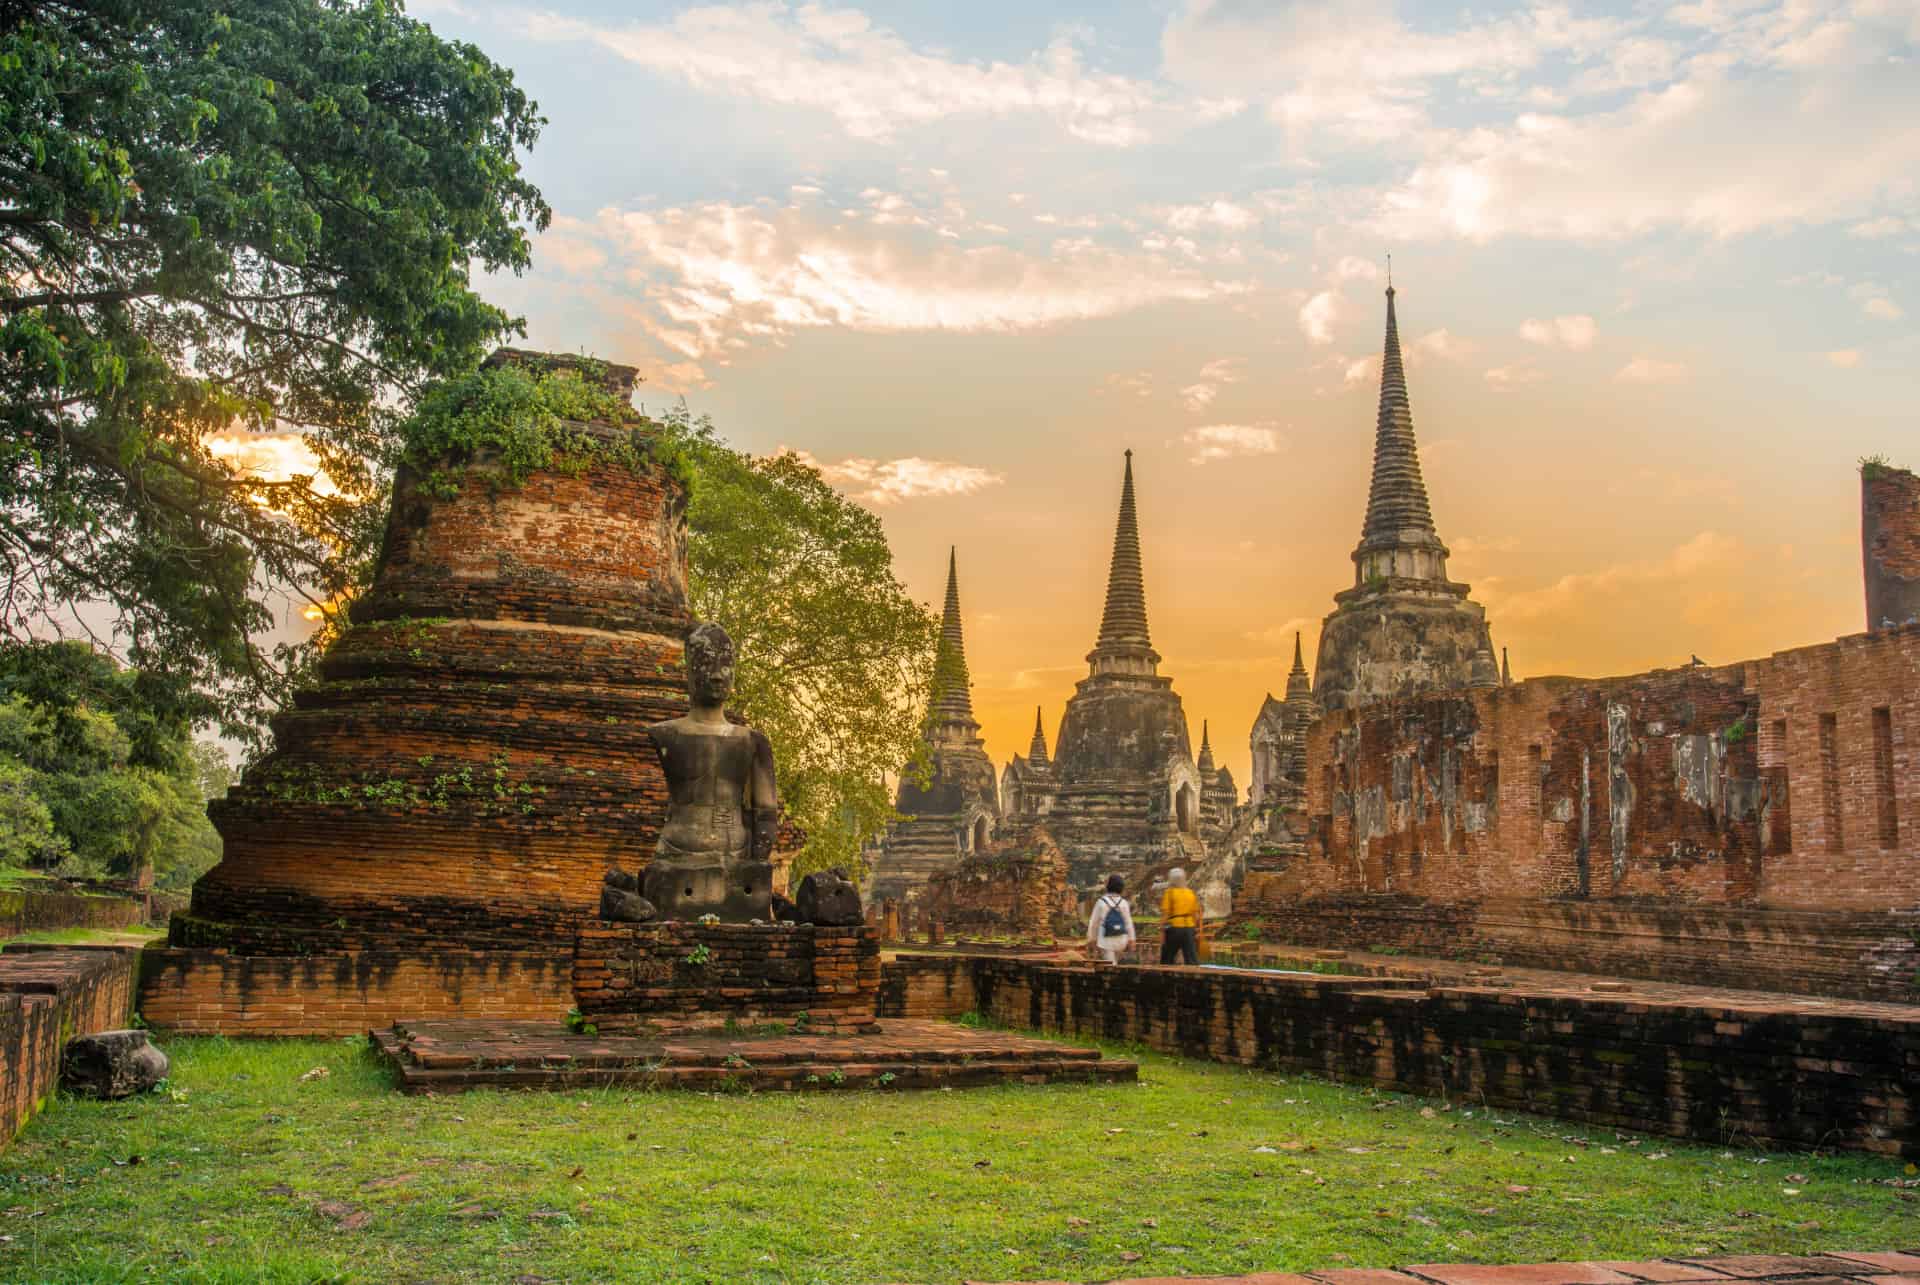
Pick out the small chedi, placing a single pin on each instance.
(955, 810)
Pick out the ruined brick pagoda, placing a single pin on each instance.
(440, 807)
(1403, 628)
(957, 811)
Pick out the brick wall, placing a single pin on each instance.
(46, 998)
(1890, 543)
(626, 976)
(1017, 888)
(1655, 823)
(206, 992)
(25, 910)
(1768, 1075)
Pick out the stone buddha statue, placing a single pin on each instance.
(714, 850)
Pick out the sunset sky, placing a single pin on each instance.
(1658, 272)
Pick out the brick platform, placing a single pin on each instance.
(1754, 1269)
(1776, 1071)
(452, 1056)
(48, 995)
(651, 978)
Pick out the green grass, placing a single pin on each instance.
(85, 936)
(236, 1163)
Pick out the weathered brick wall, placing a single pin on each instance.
(1018, 888)
(207, 992)
(1890, 544)
(1751, 1074)
(46, 998)
(1862, 954)
(26, 910)
(626, 976)
(926, 986)
(1786, 784)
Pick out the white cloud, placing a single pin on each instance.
(1575, 332)
(1845, 358)
(1442, 344)
(1502, 378)
(1361, 370)
(1884, 226)
(1355, 72)
(872, 81)
(1650, 370)
(1198, 396)
(1873, 300)
(885, 482)
(717, 276)
(1221, 370)
(1224, 216)
(1353, 268)
(1831, 104)
(1225, 441)
(1318, 315)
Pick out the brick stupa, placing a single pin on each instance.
(442, 805)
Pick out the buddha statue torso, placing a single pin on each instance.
(713, 847)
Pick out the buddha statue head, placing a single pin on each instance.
(709, 665)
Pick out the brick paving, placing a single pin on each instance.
(451, 1056)
(1835, 1268)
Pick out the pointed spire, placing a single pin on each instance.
(1299, 686)
(1037, 752)
(1123, 625)
(1506, 671)
(1206, 750)
(1397, 511)
(952, 697)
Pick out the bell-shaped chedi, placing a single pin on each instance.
(1124, 793)
(474, 756)
(957, 809)
(1403, 628)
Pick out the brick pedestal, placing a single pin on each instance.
(676, 976)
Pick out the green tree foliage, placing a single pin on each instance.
(216, 215)
(833, 658)
(95, 778)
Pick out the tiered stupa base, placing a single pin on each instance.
(452, 1056)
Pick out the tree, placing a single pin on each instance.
(95, 777)
(215, 215)
(833, 659)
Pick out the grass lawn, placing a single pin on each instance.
(248, 1167)
(86, 937)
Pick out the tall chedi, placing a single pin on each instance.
(1126, 789)
(1403, 628)
(957, 810)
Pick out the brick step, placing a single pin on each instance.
(452, 1056)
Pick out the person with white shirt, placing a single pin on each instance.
(1110, 927)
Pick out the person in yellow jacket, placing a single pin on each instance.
(1179, 920)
